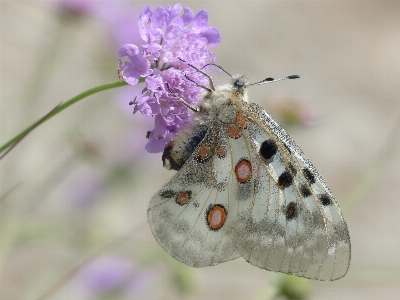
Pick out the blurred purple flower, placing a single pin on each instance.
(119, 17)
(105, 274)
(85, 188)
(168, 36)
(139, 280)
(108, 273)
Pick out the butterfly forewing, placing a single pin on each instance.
(270, 234)
(315, 229)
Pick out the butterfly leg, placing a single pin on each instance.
(200, 85)
(191, 107)
(202, 72)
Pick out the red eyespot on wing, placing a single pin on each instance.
(204, 153)
(216, 216)
(243, 171)
(234, 132)
(183, 197)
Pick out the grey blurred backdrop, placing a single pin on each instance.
(83, 181)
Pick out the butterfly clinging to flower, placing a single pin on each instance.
(245, 189)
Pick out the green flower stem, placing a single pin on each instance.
(60, 108)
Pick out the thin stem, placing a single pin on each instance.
(60, 108)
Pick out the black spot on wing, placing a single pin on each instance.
(285, 180)
(309, 176)
(268, 149)
(325, 199)
(304, 191)
(291, 211)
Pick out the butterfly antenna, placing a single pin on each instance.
(202, 72)
(270, 80)
(219, 67)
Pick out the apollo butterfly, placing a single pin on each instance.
(245, 189)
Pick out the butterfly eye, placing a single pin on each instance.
(238, 83)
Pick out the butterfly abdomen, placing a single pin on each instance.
(178, 151)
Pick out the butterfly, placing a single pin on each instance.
(245, 189)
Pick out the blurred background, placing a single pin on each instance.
(74, 192)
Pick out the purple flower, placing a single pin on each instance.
(136, 67)
(85, 188)
(120, 18)
(169, 36)
(107, 274)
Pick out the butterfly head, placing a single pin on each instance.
(239, 83)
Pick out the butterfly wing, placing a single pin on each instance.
(293, 224)
(247, 190)
(190, 216)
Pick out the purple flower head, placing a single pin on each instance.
(169, 35)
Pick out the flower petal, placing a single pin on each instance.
(128, 50)
(200, 21)
(155, 146)
(186, 18)
(173, 12)
(212, 35)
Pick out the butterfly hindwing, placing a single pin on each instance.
(182, 228)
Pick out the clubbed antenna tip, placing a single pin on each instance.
(270, 80)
